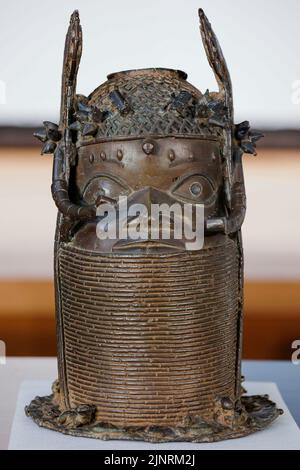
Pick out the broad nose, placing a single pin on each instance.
(148, 196)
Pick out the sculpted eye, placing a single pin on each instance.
(196, 188)
(104, 186)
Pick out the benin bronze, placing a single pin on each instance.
(149, 334)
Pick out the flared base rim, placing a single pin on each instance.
(261, 412)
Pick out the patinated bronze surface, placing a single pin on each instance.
(149, 334)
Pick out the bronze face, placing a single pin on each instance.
(149, 333)
(175, 171)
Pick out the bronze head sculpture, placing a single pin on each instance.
(149, 334)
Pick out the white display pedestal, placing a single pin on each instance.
(283, 434)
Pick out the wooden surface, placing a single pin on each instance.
(272, 318)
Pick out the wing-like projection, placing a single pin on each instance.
(218, 64)
(66, 150)
(72, 56)
(217, 61)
